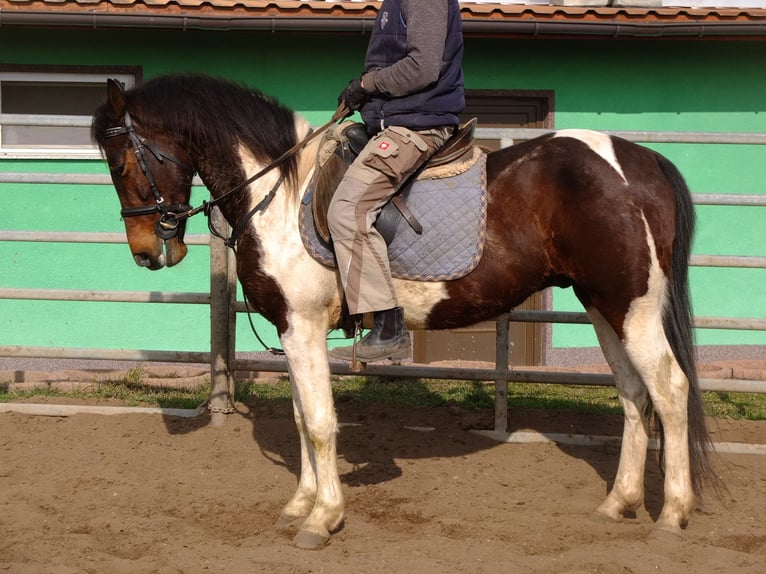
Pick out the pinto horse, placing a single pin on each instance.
(576, 208)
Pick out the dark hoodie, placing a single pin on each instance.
(414, 65)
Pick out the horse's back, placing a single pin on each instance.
(572, 180)
(572, 208)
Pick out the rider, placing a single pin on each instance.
(409, 95)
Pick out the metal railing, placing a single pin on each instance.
(224, 307)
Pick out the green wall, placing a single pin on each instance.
(689, 85)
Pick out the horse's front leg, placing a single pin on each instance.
(302, 502)
(318, 500)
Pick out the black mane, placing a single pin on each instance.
(211, 115)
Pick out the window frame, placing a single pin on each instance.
(128, 75)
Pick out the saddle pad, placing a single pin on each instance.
(453, 213)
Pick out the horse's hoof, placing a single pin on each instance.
(599, 515)
(610, 510)
(288, 522)
(308, 540)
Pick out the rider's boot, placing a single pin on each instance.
(388, 339)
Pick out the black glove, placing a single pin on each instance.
(354, 96)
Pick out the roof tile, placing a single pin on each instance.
(481, 11)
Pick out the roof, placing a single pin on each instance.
(479, 18)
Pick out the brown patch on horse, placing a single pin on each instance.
(542, 232)
(260, 288)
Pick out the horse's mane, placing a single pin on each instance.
(213, 116)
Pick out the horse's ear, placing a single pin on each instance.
(115, 97)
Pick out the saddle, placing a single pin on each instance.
(435, 226)
(339, 149)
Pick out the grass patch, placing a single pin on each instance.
(126, 391)
(748, 406)
(405, 392)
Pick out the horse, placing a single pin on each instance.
(575, 208)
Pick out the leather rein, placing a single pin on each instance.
(171, 216)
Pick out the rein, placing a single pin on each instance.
(171, 216)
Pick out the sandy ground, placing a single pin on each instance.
(152, 494)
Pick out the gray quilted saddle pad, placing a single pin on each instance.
(453, 213)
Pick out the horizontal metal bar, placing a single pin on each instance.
(490, 375)
(106, 296)
(448, 373)
(65, 178)
(481, 133)
(85, 237)
(736, 199)
(57, 178)
(744, 324)
(46, 120)
(280, 366)
(731, 199)
(732, 385)
(528, 316)
(743, 261)
(521, 134)
(542, 316)
(104, 354)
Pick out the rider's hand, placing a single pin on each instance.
(354, 96)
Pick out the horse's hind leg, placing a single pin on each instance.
(651, 361)
(628, 489)
(668, 387)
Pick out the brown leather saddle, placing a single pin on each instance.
(339, 149)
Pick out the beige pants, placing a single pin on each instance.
(383, 165)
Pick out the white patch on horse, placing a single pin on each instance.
(599, 142)
(649, 350)
(418, 298)
(283, 255)
(643, 324)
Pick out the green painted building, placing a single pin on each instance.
(637, 69)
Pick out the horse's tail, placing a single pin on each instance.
(678, 326)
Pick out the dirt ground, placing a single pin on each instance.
(142, 493)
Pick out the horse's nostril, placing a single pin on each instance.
(146, 260)
(142, 259)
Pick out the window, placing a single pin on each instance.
(509, 109)
(47, 113)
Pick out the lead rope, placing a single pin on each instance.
(356, 366)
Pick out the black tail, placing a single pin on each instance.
(677, 323)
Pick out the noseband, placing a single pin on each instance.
(166, 227)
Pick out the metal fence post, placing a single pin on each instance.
(220, 401)
(501, 366)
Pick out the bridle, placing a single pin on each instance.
(171, 216)
(166, 227)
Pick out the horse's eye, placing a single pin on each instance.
(117, 169)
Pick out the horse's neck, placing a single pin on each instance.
(282, 209)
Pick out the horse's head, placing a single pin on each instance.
(152, 175)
